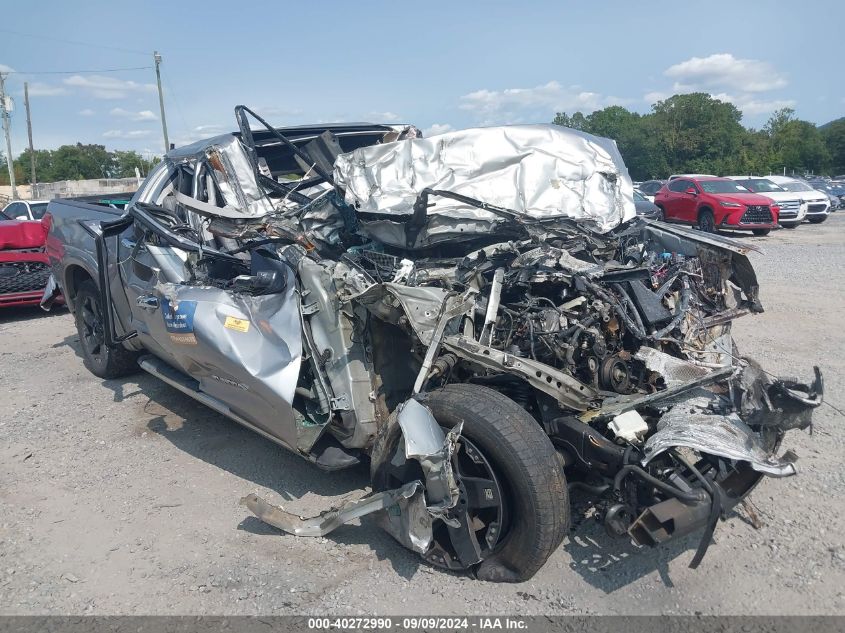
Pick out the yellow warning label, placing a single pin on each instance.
(241, 325)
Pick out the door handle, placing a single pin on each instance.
(147, 302)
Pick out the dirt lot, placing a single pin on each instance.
(122, 496)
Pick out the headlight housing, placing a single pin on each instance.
(730, 205)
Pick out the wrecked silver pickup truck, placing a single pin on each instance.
(480, 315)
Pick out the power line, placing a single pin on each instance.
(73, 72)
(75, 42)
(176, 100)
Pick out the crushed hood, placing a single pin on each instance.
(539, 171)
(21, 234)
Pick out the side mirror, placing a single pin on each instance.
(692, 191)
(265, 282)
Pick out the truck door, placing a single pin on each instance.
(242, 347)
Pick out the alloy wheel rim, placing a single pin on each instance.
(93, 337)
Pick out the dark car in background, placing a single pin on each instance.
(645, 207)
(650, 187)
(834, 191)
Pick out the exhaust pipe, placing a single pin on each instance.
(668, 520)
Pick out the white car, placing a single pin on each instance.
(793, 209)
(26, 209)
(818, 204)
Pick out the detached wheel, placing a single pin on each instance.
(761, 231)
(706, 222)
(514, 505)
(101, 360)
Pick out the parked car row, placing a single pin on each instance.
(834, 189)
(746, 203)
(23, 261)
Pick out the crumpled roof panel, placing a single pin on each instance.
(540, 171)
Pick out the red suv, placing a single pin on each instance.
(716, 203)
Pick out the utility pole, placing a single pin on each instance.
(157, 59)
(5, 112)
(29, 133)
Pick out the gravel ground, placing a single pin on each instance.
(121, 497)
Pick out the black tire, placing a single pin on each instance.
(794, 225)
(102, 361)
(526, 467)
(761, 231)
(661, 215)
(706, 223)
(818, 220)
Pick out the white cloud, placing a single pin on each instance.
(130, 134)
(383, 117)
(102, 87)
(724, 77)
(437, 128)
(723, 71)
(210, 130)
(515, 105)
(39, 89)
(143, 115)
(266, 112)
(751, 106)
(655, 96)
(87, 112)
(199, 133)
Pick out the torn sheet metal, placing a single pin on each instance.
(329, 520)
(783, 403)
(675, 371)
(421, 305)
(539, 171)
(691, 425)
(426, 443)
(411, 508)
(410, 522)
(232, 172)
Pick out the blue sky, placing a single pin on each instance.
(439, 65)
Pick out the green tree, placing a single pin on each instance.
(4, 171)
(756, 156)
(43, 166)
(778, 121)
(834, 138)
(698, 133)
(125, 164)
(81, 162)
(797, 145)
(634, 135)
(577, 121)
